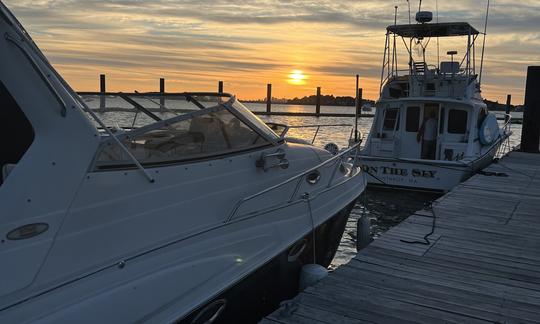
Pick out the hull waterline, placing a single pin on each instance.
(261, 292)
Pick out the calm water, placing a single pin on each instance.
(384, 207)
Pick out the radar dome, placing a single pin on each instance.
(424, 16)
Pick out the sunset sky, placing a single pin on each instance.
(295, 45)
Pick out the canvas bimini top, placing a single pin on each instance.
(433, 30)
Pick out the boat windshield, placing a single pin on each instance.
(206, 128)
(127, 111)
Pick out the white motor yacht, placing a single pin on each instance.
(431, 128)
(124, 208)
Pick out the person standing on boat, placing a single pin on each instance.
(428, 135)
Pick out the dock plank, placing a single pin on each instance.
(482, 263)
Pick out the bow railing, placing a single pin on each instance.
(310, 175)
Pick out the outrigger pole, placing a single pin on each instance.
(484, 44)
(394, 52)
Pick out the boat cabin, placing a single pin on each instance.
(399, 129)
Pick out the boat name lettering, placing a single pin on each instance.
(398, 171)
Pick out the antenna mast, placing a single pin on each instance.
(438, 48)
(394, 52)
(420, 6)
(484, 44)
(409, 4)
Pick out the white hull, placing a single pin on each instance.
(168, 281)
(262, 291)
(422, 174)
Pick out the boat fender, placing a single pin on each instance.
(489, 130)
(363, 233)
(311, 274)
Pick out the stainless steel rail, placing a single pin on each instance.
(299, 177)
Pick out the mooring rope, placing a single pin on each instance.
(426, 237)
(498, 161)
(308, 201)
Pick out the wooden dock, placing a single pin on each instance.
(482, 263)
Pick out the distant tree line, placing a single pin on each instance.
(331, 100)
(496, 106)
(326, 100)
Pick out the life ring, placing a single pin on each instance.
(489, 131)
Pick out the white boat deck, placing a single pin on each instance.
(482, 264)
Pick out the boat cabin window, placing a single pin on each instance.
(391, 119)
(202, 136)
(412, 123)
(457, 121)
(16, 133)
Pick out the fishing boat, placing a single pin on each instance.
(431, 128)
(117, 208)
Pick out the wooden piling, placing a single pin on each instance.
(269, 98)
(318, 102)
(359, 107)
(530, 135)
(161, 92)
(507, 109)
(102, 85)
(220, 86)
(102, 90)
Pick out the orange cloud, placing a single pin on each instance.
(195, 43)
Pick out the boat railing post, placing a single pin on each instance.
(507, 109)
(316, 133)
(530, 135)
(102, 90)
(295, 192)
(269, 98)
(115, 139)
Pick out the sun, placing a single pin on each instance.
(297, 77)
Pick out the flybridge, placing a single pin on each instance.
(422, 73)
(433, 30)
(457, 77)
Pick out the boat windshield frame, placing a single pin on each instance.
(232, 105)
